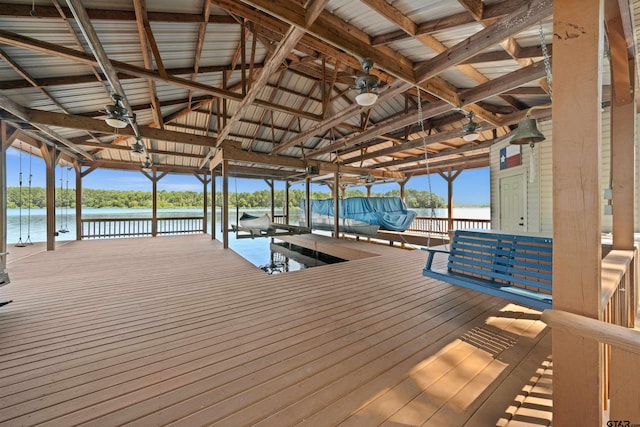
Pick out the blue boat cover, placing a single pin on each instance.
(390, 213)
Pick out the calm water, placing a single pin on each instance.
(33, 225)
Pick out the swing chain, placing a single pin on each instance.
(426, 160)
(545, 58)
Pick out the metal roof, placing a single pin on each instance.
(305, 108)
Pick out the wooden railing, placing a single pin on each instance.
(180, 225)
(620, 367)
(280, 219)
(618, 307)
(102, 228)
(427, 224)
(440, 226)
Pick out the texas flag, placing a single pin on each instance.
(510, 156)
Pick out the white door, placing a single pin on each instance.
(512, 206)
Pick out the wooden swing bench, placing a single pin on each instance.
(513, 267)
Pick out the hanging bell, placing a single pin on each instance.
(527, 133)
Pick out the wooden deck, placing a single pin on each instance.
(177, 330)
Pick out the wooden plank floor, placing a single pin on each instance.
(178, 331)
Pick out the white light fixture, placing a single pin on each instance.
(116, 122)
(117, 116)
(368, 85)
(470, 129)
(366, 98)
(137, 149)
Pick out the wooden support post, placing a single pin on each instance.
(154, 177)
(78, 170)
(154, 204)
(623, 158)
(205, 203)
(307, 195)
(214, 201)
(450, 176)
(272, 200)
(49, 156)
(205, 207)
(4, 145)
(225, 204)
(577, 362)
(368, 186)
(287, 186)
(336, 205)
(402, 185)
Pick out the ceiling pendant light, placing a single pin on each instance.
(137, 149)
(117, 115)
(368, 85)
(471, 129)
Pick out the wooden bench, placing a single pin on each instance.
(513, 267)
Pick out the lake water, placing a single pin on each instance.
(32, 225)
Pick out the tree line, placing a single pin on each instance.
(91, 198)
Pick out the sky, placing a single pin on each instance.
(471, 186)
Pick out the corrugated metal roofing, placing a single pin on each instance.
(296, 85)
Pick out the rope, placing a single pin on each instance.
(61, 230)
(67, 202)
(28, 241)
(20, 243)
(426, 160)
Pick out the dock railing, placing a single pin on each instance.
(620, 368)
(440, 226)
(105, 228)
(430, 225)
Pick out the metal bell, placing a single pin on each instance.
(527, 133)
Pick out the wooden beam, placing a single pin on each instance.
(81, 57)
(528, 14)
(314, 9)
(146, 40)
(238, 155)
(202, 31)
(338, 33)
(474, 7)
(490, 13)
(393, 15)
(95, 125)
(577, 254)
(290, 40)
(13, 10)
(464, 150)
(623, 177)
(91, 78)
(388, 92)
(216, 160)
(478, 93)
(26, 115)
(621, 76)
